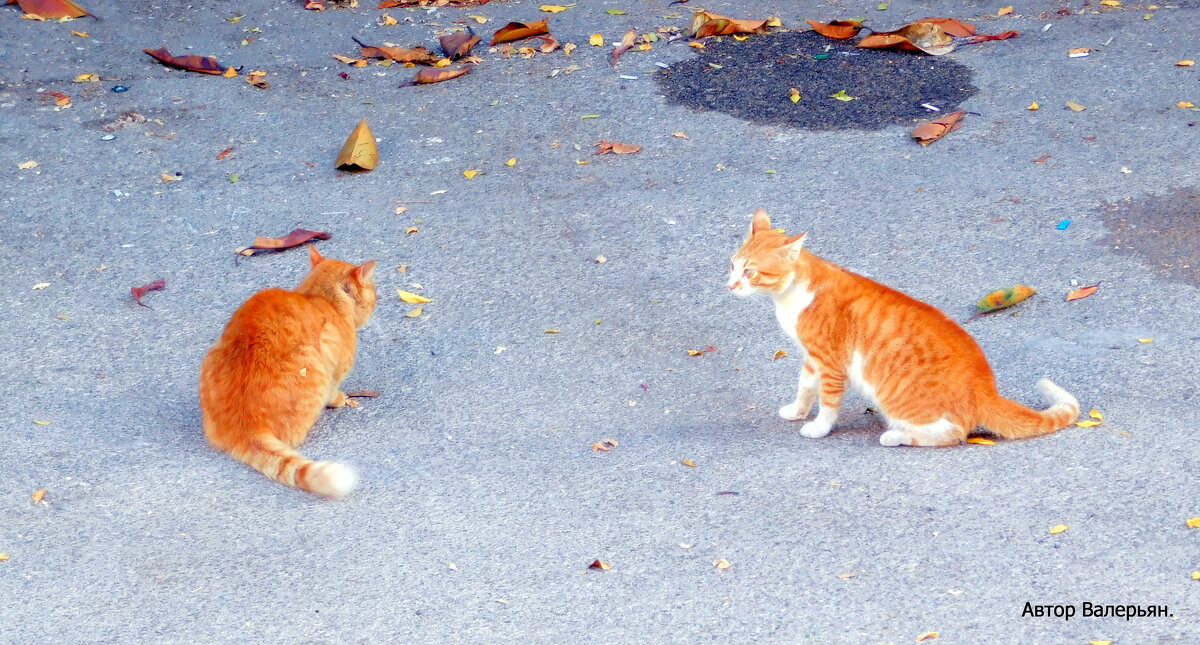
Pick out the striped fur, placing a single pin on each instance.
(925, 373)
(279, 362)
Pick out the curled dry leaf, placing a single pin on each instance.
(258, 78)
(1001, 299)
(38, 495)
(600, 565)
(705, 24)
(549, 44)
(61, 101)
(931, 131)
(365, 393)
(415, 313)
(955, 28)
(412, 298)
(689, 463)
(1081, 292)
(359, 151)
(138, 292)
(927, 636)
(1004, 35)
(722, 564)
(981, 441)
(295, 238)
(837, 29)
(605, 146)
(626, 43)
(399, 54)
(435, 75)
(778, 355)
(918, 36)
(1058, 528)
(202, 64)
(458, 44)
(53, 9)
(604, 445)
(520, 31)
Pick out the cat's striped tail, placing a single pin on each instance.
(1011, 420)
(280, 462)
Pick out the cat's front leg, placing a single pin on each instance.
(833, 387)
(337, 399)
(806, 393)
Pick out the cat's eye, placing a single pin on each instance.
(750, 274)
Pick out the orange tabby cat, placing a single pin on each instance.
(281, 360)
(927, 376)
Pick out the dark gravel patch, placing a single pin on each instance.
(756, 75)
(1162, 232)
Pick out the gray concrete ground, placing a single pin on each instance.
(481, 502)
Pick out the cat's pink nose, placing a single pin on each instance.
(733, 287)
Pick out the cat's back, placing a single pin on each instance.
(270, 322)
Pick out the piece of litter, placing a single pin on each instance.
(1062, 226)
(1047, 27)
(931, 108)
(629, 77)
(1079, 52)
(663, 65)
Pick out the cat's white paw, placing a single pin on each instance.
(893, 438)
(792, 412)
(815, 429)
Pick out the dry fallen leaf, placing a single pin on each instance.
(600, 565)
(458, 44)
(1079, 52)
(1185, 104)
(412, 298)
(604, 445)
(52, 9)
(794, 95)
(399, 54)
(1087, 423)
(722, 564)
(387, 20)
(1004, 11)
(434, 75)
(1082, 292)
(41, 285)
(847, 576)
(61, 101)
(689, 463)
(1033, 106)
(3, 557)
(514, 31)
(470, 174)
(138, 292)
(295, 238)
(679, 135)
(27, 165)
(1075, 107)
(778, 355)
(705, 24)
(931, 131)
(928, 37)
(1194, 522)
(415, 313)
(87, 78)
(981, 441)
(1002, 298)
(202, 64)
(606, 146)
(1185, 63)
(927, 636)
(1058, 528)
(626, 42)
(38, 495)
(837, 29)
(359, 151)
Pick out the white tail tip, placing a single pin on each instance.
(1058, 396)
(331, 479)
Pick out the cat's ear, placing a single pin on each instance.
(314, 256)
(362, 274)
(760, 222)
(794, 245)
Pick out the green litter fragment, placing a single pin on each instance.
(589, 116)
(841, 95)
(716, 66)
(882, 6)
(770, 171)
(615, 12)
(493, 103)
(820, 56)
(234, 178)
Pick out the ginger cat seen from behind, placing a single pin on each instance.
(279, 362)
(928, 377)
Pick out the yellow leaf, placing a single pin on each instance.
(981, 441)
(1087, 424)
(568, 48)
(41, 423)
(722, 564)
(774, 22)
(359, 151)
(554, 8)
(689, 463)
(597, 40)
(444, 62)
(41, 285)
(479, 19)
(81, 34)
(841, 95)
(3, 557)
(1058, 528)
(681, 135)
(1076, 107)
(1095, 414)
(1110, 3)
(552, 331)
(1194, 522)
(87, 78)
(1185, 104)
(778, 355)
(1196, 575)
(794, 95)
(696, 45)
(511, 162)
(1004, 11)
(847, 576)
(26, 165)
(230, 73)
(387, 21)
(582, 162)
(1079, 52)
(470, 174)
(168, 178)
(412, 298)
(604, 445)
(415, 312)
(927, 636)
(1033, 106)
(412, 230)
(33, 16)
(740, 38)
(1145, 340)
(1185, 63)
(694, 352)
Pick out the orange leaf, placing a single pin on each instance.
(549, 44)
(838, 29)
(458, 44)
(1004, 35)
(202, 64)
(399, 54)
(605, 445)
(931, 131)
(53, 9)
(600, 564)
(705, 24)
(520, 31)
(1082, 292)
(606, 146)
(951, 26)
(918, 36)
(626, 43)
(359, 151)
(295, 238)
(434, 75)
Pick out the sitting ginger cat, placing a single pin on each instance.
(280, 361)
(927, 375)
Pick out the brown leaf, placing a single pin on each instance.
(138, 292)
(53, 9)
(520, 31)
(606, 146)
(202, 64)
(224, 153)
(955, 28)
(60, 100)
(600, 565)
(399, 54)
(258, 78)
(365, 393)
(1082, 292)
(314, 5)
(38, 495)
(604, 445)
(837, 29)
(458, 44)
(918, 36)
(931, 131)
(359, 151)
(293, 239)
(548, 45)
(626, 42)
(435, 75)
(705, 24)
(1004, 35)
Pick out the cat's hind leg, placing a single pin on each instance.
(833, 388)
(939, 433)
(806, 393)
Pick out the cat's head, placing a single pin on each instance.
(355, 281)
(766, 262)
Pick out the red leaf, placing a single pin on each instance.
(204, 65)
(931, 131)
(53, 9)
(138, 292)
(626, 43)
(295, 238)
(224, 153)
(838, 29)
(982, 38)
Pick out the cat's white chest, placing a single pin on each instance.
(788, 308)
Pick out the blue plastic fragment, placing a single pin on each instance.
(120, 88)
(1062, 226)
